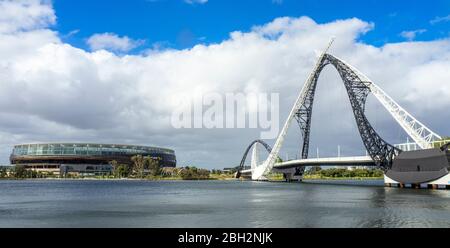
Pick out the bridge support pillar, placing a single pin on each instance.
(290, 174)
(291, 177)
(419, 169)
(441, 183)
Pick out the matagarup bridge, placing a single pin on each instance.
(428, 165)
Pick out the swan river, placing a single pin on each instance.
(130, 203)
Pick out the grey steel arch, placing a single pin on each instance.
(268, 148)
(379, 150)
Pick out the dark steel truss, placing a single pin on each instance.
(304, 113)
(379, 150)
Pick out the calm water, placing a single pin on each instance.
(217, 204)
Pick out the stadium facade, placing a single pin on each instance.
(84, 157)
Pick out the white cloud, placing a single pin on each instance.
(411, 35)
(72, 33)
(23, 15)
(439, 19)
(195, 1)
(112, 42)
(52, 91)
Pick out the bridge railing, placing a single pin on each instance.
(412, 146)
(440, 143)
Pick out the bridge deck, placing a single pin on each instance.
(337, 161)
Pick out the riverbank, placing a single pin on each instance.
(212, 177)
(193, 173)
(275, 178)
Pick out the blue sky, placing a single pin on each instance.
(179, 24)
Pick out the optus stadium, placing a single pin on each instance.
(83, 157)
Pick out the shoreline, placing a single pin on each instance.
(115, 179)
(180, 179)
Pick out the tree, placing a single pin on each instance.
(20, 171)
(3, 173)
(153, 166)
(114, 165)
(217, 172)
(314, 170)
(138, 165)
(193, 173)
(122, 171)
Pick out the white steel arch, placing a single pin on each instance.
(255, 156)
(268, 164)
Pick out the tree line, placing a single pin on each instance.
(20, 172)
(141, 167)
(148, 167)
(344, 172)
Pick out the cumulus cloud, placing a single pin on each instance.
(52, 91)
(23, 15)
(411, 35)
(112, 42)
